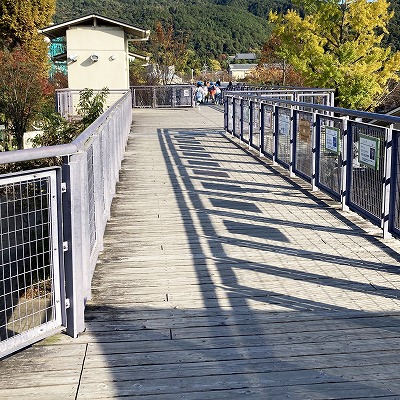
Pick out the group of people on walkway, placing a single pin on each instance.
(207, 92)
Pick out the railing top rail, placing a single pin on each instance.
(283, 90)
(37, 153)
(337, 110)
(95, 90)
(238, 85)
(62, 149)
(160, 86)
(81, 140)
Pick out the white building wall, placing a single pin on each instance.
(111, 69)
(238, 74)
(240, 71)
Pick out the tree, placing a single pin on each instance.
(167, 52)
(58, 130)
(19, 24)
(273, 66)
(338, 44)
(271, 74)
(23, 89)
(214, 65)
(23, 61)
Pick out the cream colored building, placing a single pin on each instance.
(240, 71)
(96, 51)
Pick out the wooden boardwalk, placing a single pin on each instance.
(223, 279)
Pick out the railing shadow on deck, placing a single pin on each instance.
(241, 351)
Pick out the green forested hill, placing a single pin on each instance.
(213, 27)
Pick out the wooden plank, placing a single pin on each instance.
(295, 393)
(221, 279)
(301, 382)
(242, 348)
(54, 391)
(231, 328)
(331, 364)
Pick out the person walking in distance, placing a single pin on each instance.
(198, 94)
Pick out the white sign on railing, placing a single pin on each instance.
(268, 119)
(284, 124)
(368, 151)
(332, 139)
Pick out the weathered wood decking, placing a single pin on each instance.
(222, 279)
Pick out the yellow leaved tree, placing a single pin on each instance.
(338, 44)
(20, 21)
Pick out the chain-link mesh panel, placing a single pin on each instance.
(28, 290)
(237, 108)
(304, 123)
(230, 121)
(255, 124)
(283, 137)
(268, 121)
(329, 154)
(396, 187)
(91, 198)
(163, 97)
(367, 166)
(143, 98)
(183, 97)
(246, 121)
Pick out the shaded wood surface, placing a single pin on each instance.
(223, 279)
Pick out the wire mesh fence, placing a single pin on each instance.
(246, 121)
(169, 96)
(91, 198)
(255, 137)
(237, 109)
(396, 183)
(283, 137)
(330, 147)
(267, 129)
(304, 143)
(30, 269)
(230, 121)
(366, 158)
(43, 268)
(329, 154)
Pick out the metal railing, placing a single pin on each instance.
(30, 293)
(67, 100)
(52, 228)
(301, 94)
(332, 148)
(168, 96)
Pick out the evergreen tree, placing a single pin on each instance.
(212, 28)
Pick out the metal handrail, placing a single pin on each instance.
(62, 149)
(336, 110)
(294, 135)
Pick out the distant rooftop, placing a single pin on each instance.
(244, 67)
(59, 30)
(245, 56)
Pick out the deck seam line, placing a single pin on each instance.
(81, 373)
